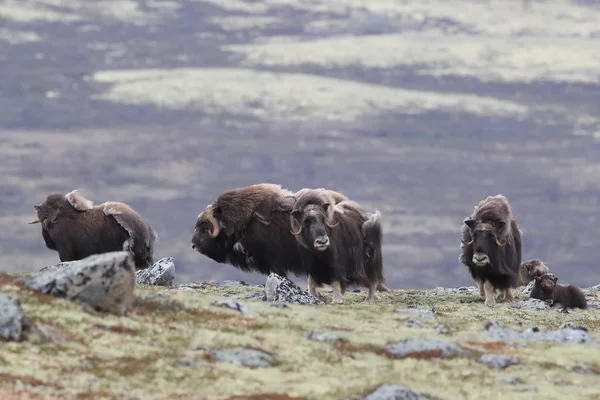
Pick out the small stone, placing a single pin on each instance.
(161, 273)
(508, 380)
(105, 282)
(531, 305)
(245, 357)
(279, 305)
(10, 317)
(324, 337)
(499, 361)
(423, 313)
(393, 392)
(442, 329)
(593, 304)
(233, 305)
(281, 289)
(413, 323)
(424, 348)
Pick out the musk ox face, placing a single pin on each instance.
(310, 223)
(535, 268)
(47, 212)
(485, 241)
(547, 283)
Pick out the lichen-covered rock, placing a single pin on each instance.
(393, 392)
(242, 356)
(419, 312)
(531, 305)
(424, 348)
(283, 290)
(103, 281)
(10, 317)
(162, 273)
(565, 334)
(499, 361)
(324, 337)
(527, 289)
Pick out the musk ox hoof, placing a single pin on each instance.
(490, 302)
(338, 300)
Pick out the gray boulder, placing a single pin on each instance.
(531, 305)
(10, 317)
(105, 281)
(393, 392)
(161, 273)
(283, 290)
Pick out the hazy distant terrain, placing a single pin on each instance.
(418, 109)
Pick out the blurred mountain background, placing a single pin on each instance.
(417, 108)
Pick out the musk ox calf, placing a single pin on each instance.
(337, 243)
(249, 229)
(491, 248)
(546, 288)
(76, 229)
(530, 269)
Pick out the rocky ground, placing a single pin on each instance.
(64, 338)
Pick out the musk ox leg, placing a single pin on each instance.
(480, 286)
(488, 288)
(312, 287)
(506, 295)
(382, 288)
(372, 296)
(338, 298)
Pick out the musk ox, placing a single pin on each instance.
(338, 245)
(76, 229)
(491, 248)
(530, 269)
(249, 229)
(546, 288)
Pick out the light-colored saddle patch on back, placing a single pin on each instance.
(78, 202)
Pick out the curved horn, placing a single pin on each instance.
(332, 226)
(208, 215)
(499, 243)
(295, 225)
(330, 214)
(35, 221)
(466, 243)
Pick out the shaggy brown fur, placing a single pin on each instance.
(249, 229)
(567, 296)
(76, 229)
(338, 245)
(530, 269)
(491, 248)
(235, 208)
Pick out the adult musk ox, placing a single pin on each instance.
(74, 227)
(249, 228)
(337, 243)
(491, 248)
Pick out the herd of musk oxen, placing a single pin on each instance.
(318, 233)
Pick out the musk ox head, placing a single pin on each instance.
(207, 239)
(310, 222)
(535, 267)
(547, 283)
(486, 239)
(49, 210)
